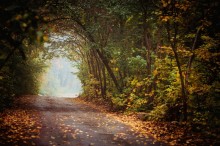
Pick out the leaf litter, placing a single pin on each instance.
(173, 133)
(19, 126)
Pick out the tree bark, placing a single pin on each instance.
(189, 65)
(174, 48)
(147, 42)
(101, 55)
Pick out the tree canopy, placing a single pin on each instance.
(160, 57)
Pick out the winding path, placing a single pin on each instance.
(66, 123)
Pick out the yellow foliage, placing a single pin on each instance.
(139, 84)
(203, 53)
(167, 50)
(18, 17)
(165, 18)
(134, 90)
(155, 72)
(24, 24)
(129, 19)
(184, 52)
(165, 2)
(134, 82)
(45, 38)
(199, 89)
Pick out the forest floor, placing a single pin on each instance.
(171, 133)
(45, 121)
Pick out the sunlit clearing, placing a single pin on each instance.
(61, 80)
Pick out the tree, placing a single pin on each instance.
(18, 29)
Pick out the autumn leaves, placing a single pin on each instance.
(19, 126)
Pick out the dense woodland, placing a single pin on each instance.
(158, 57)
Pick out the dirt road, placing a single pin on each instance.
(65, 123)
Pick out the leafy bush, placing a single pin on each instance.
(158, 113)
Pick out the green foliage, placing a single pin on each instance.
(6, 88)
(156, 55)
(18, 29)
(26, 75)
(136, 65)
(91, 88)
(141, 56)
(167, 79)
(19, 77)
(119, 102)
(158, 113)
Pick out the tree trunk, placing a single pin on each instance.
(147, 42)
(104, 81)
(189, 65)
(101, 55)
(183, 90)
(105, 62)
(174, 49)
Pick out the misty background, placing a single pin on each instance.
(60, 79)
